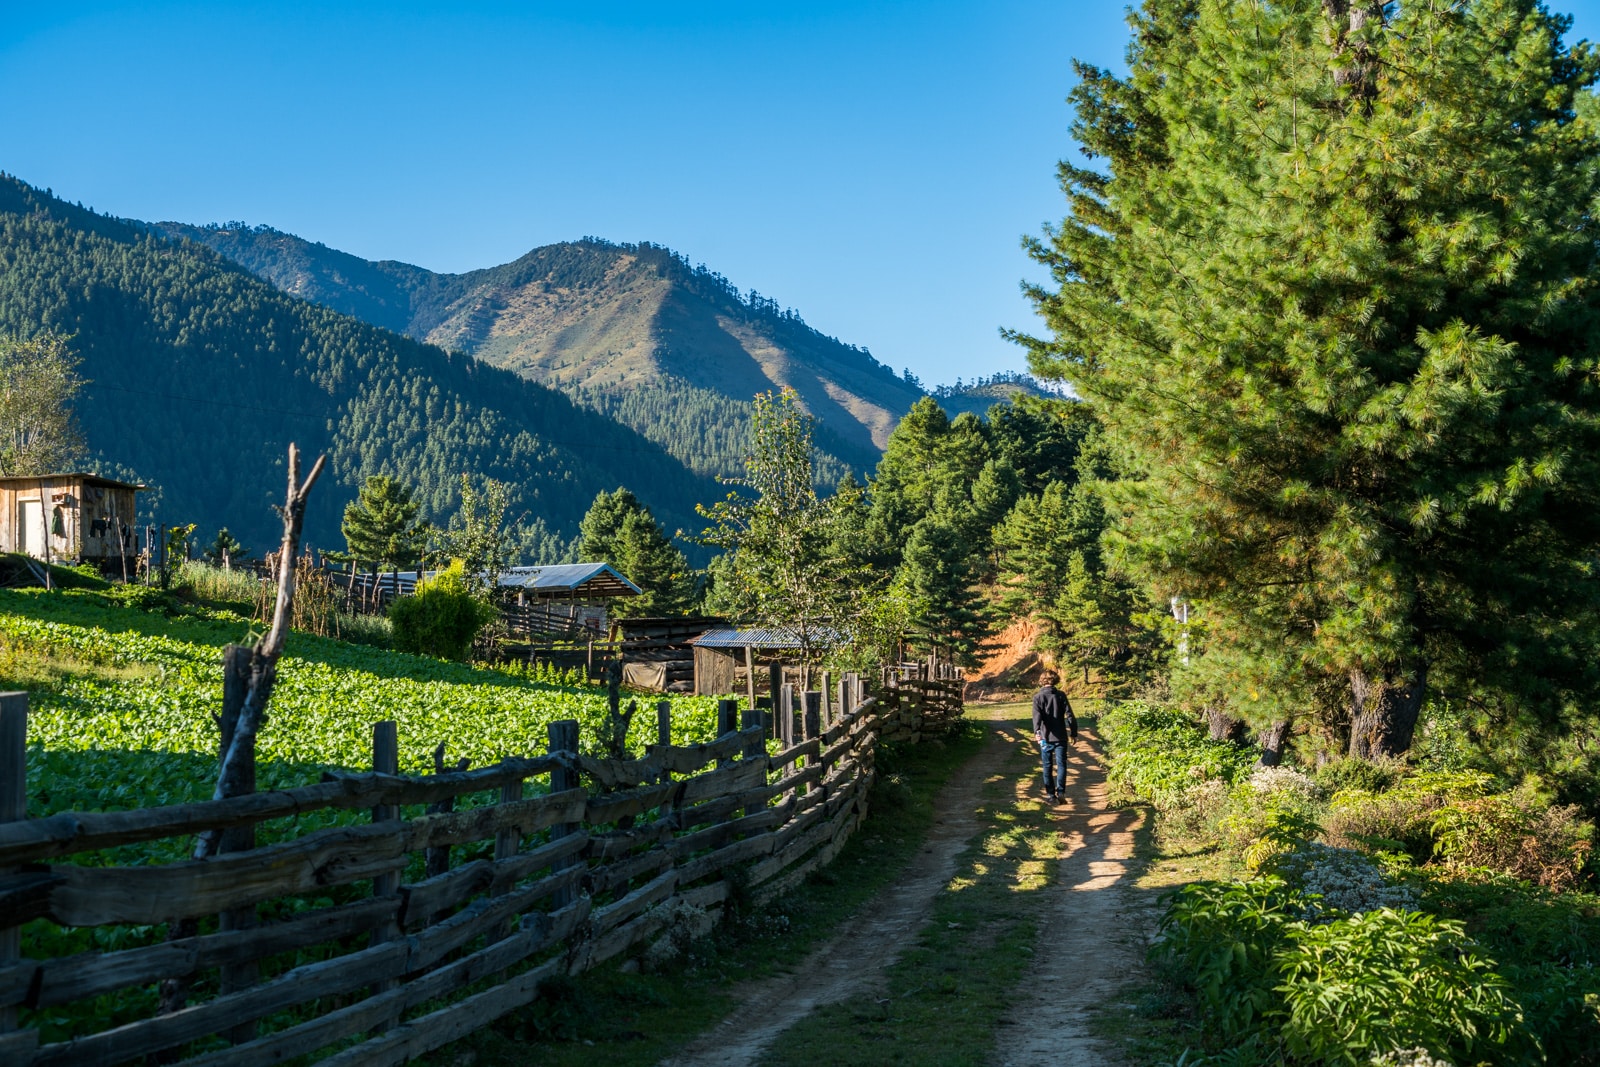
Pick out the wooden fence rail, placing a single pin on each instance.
(380, 940)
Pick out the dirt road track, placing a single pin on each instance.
(1091, 934)
(852, 961)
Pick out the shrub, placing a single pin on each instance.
(1160, 755)
(1278, 814)
(1401, 818)
(442, 618)
(1353, 773)
(1518, 834)
(1224, 937)
(373, 630)
(1282, 780)
(1548, 945)
(1386, 981)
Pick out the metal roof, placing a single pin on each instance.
(776, 637)
(586, 579)
(82, 476)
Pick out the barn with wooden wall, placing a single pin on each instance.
(68, 517)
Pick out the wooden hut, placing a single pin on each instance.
(562, 597)
(658, 654)
(725, 657)
(68, 517)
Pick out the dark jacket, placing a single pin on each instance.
(1052, 716)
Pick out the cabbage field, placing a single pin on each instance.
(122, 703)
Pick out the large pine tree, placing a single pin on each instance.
(1330, 283)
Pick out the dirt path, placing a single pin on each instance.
(1092, 934)
(853, 960)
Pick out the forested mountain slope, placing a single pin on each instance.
(200, 374)
(980, 395)
(601, 321)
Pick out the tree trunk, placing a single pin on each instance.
(1384, 712)
(1272, 739)
(1223, 727)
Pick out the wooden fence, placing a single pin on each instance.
(380, 940)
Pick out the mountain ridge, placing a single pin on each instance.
(199, 374)
(593, 317)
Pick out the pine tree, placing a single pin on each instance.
(620, 530)
(1333, 292)
(381, 526)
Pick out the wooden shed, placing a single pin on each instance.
(724, 656)
(562, 597)
(657, 654)
(68, 517)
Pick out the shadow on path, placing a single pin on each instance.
(1093, 931)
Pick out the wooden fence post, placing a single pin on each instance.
(235, 687)
(775, 695)
(727, 716)
(828, 714)
(563, 736)
(786, 715)
(13, 808)
(385, 760)
(750, 674)
(812, 726)
(664, 729)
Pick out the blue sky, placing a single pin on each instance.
(871, 165)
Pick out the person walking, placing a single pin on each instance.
(1055, 726)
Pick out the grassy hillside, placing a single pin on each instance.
(601, 320)
(200, 374)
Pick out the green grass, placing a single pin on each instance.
(634, 1019)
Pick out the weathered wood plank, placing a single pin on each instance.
(91, 896)
(610, 807)
(66, 833)
(90, 974)
(328, 978)
(739, 774)
(432, 895)
(601, 880)
(431, 1031)
(13, 808)
(325, 1030)
(610, 845)
(811, 748)
(714, 861)
(679, 759)
(716, 835)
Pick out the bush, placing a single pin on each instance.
(442, 618)
(1517, 834)
(375, 631)
(1224, 938)
(1548, 945)
(1353, 773)
(1274, 811)
(1387, 981)
(1160, 755)
(1400, 819)
(1342, 991)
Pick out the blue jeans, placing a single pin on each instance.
(1054, 756)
